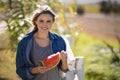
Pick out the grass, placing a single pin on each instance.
(91, 8)
(97, 57)
(83, 44)
(7, 65)
(83, 47)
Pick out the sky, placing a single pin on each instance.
(87, 1)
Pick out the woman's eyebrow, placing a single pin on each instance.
(41, 20)
(45, 20)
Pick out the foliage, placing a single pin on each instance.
(116, 8)
(80, 10)
(4, 7)
(15, 19)
(115, 52)
(97, 56)
(105, 7)
(109, 7)
(72, 8)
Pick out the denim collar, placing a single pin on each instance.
(51, 35)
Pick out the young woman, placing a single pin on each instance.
(39, 44)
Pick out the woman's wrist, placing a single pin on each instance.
(64, 65)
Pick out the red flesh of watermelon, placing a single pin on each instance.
(52, 60)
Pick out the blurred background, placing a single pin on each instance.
(93, 27)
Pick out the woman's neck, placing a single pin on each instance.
(41, 35)
(42, 39)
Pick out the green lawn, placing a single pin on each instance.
(97, 56)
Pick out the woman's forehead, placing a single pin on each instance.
(45, 16)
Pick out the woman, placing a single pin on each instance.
(39, 44)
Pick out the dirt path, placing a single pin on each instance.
(100, 25)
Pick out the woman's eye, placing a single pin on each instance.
(41, 21)
(49, 21)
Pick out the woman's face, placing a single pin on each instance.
(44, 22)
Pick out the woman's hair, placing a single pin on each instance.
(42, 10)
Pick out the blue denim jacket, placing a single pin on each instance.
(23, 62)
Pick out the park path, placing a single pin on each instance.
(99, 25)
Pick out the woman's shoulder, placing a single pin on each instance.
(54, 35)
(59, 38)
(26, 38)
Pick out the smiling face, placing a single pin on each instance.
(44, 22)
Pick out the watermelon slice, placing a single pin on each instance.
(51, 61)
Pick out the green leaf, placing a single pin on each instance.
(40, 63)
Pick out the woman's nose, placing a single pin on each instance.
(45, 23)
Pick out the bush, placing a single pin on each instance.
(80, 10)
(105, 7)
(116, 8)
(108, 7)
(93, 73)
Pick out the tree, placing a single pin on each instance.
(15, 19)
(115, 58)
(109, 6)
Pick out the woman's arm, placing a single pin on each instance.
(22, 69)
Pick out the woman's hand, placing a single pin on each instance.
(64, 60)
(63, 56)
(39, 69)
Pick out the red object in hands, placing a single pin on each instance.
(51, 61)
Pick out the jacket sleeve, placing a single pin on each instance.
(22, 69)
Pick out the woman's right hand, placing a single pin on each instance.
(39, 69)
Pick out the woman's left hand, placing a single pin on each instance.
(64, 60)
(63, 56)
